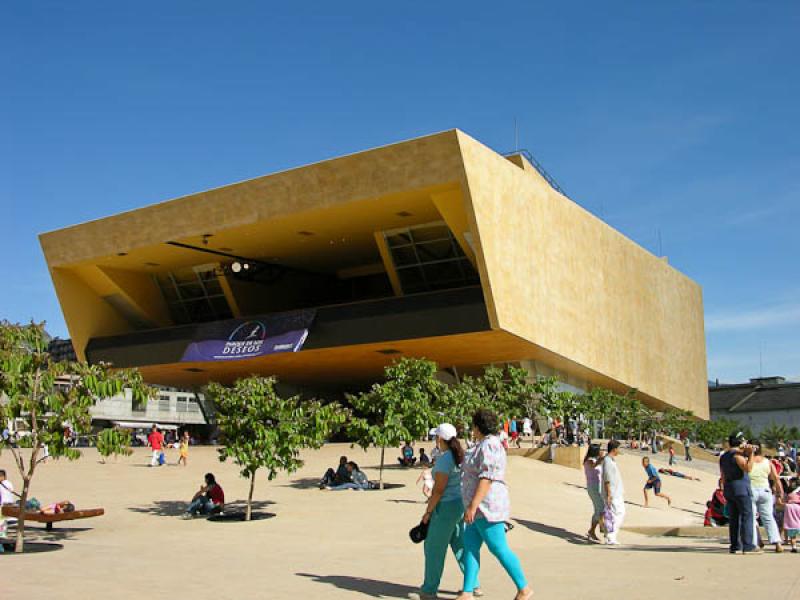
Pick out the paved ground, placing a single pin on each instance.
(355, 544)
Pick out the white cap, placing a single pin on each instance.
(446, 431)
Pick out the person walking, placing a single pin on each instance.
(687, 445)
(156, 442)
(487, 507)
(671, 455)
(444, 513)
(613, 494)
(593, 470)
(653, 483)
(763, 482)
(735, 465)
(183, 449)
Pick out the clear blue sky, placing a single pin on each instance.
(678, 117)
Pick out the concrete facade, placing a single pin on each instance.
(560, 287)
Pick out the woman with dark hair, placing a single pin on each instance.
(444, 512)
(487, 508)
(592, 468)
(210, 498)
(763, 483)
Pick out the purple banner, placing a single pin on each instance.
(240, 339)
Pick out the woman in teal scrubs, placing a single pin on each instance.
(444, 512)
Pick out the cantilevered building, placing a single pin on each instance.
(437, 247)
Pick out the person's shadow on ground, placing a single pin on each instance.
(368, 587)
(175, 508)
(557, 532)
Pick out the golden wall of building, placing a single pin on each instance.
(564, 280)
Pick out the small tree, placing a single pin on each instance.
(716, 431)
(259, 429)
(49, 397)
(114, 441)
(773, 434)
(400, 409)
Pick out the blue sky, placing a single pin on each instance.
(678, 118)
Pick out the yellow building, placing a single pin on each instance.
(436, 247)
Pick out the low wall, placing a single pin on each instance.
(566, 456)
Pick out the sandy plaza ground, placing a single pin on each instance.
(354, 544)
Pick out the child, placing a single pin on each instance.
(791, 520)
(184, 449)
(653, 482)
(671, 456)
(426, 478)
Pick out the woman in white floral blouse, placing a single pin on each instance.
(485, 496)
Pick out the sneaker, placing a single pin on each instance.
(422, 596)
(753, 551)
(794, 550)
(187, 516)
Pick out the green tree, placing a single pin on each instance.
(261, 430)
(716, 431)
(773, 434)
(399, 409)
(49, 397)
(114, 441)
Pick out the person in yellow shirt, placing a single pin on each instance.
(184, 449)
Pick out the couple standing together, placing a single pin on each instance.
(468, 507)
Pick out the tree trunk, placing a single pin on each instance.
(23, 499)
(380, 476)
(249, 510)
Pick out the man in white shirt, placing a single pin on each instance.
(6, 490)
(614, 493)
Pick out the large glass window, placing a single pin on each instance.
(428, 257)
(194, 295)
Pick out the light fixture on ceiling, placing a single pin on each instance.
(388, 351)
(403, 213)
(305, 233)
(122, 254)
(238, 267)
(152, 264)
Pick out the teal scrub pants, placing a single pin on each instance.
(446, 528)
(494, 534)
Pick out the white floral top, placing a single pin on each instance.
(487, 460)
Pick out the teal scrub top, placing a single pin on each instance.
(447, 465)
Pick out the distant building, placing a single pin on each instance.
(61, 350)
(757, 404)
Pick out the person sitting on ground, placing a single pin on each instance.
(358, 480)
(338, 477)
(715, 509)
(653, 482)
(407, 459)
(65, 506)
(424, 459)
(674, 473)
(210, 498)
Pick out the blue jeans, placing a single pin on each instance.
(349, 486)
(494, 534)
(201, 505)
(740, 510)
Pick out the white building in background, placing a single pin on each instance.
(170, 407)
(763, 402)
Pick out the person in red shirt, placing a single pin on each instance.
(210, 498)
(156, 441)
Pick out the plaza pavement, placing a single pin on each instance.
(355, 544)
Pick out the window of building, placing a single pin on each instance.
(428, 258)
(194, 295)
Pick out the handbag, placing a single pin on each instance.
(419, 532)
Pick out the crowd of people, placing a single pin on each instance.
(756, 488)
